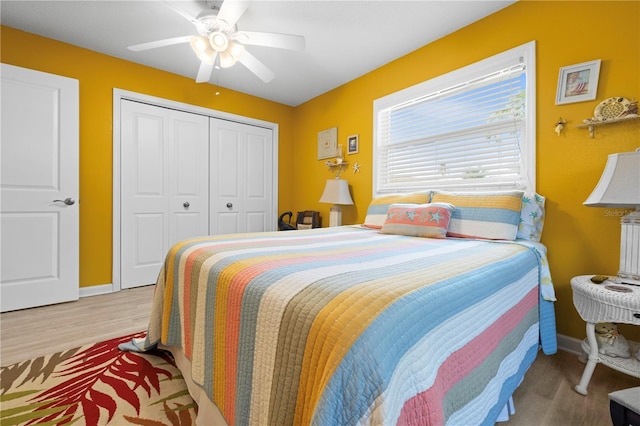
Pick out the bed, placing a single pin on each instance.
(350, 325)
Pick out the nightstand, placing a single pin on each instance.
(606, 302)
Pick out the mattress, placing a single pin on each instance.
(338, 326)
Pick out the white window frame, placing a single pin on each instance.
(524, 53)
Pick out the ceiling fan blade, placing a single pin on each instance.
(281, 41)
(180, 12)
(185, 15)
(231, 11)
(204, 73)
(255, 66)
(159, 43)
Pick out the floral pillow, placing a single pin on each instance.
(531, 217)
(424, 220)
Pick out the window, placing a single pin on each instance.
(471, 129)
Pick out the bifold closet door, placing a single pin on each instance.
(164, 186)
(241, 168)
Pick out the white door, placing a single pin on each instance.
(164, 186)
(241, 178)
(39, 216)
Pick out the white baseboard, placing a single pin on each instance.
(569, 344)
(96, 290)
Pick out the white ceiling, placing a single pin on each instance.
(344, 39)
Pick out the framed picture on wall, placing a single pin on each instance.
(577, 83)
(352, 144)
(327, 143)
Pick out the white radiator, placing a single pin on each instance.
(630, 247)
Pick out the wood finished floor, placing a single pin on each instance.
(545, 397)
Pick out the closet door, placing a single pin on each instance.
(241, 178)
(188, 176)
(164, 186)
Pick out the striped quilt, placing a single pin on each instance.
(347, 326)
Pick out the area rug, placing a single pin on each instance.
(96, 385)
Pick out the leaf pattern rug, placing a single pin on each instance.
(96, 385)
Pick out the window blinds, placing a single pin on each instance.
(465, 136)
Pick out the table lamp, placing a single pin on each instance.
(619, 187)
(336, 192)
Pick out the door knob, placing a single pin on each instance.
(229, 205)
(67, 201)
(186, 204)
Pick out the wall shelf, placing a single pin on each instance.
(591, 125)
(337, 168)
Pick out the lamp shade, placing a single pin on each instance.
(336, 191)
(619, 185)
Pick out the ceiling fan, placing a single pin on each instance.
(220, 44)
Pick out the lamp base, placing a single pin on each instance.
(335, 216)
(629, 271)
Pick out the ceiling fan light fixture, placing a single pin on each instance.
(236, 50)
(201, 48)
(203, 51)
(226, 59)
(219, 41)
(198, 43)
(207, 57)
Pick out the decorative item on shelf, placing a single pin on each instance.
(337, 165)
(614, 108)
(610, 341)
(336, 192)
(618, 188)
(560, 126)
(611, 110)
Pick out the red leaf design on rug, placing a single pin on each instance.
(102, 364)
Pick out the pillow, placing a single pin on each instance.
(489, 215)
(422, 220)
(377, 211)
(531, 217)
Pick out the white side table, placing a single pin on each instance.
(606, 302)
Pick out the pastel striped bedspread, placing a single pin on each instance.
(347, 326)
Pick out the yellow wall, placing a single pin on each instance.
(98, 75)
(580, 240)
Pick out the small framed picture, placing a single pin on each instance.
(578, 83)
(352, 144)
(327, 143)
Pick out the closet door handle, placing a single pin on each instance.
(186, 204)
(67, 201)
(229, 205)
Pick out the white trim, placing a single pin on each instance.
(96, 290)
(118, 96)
